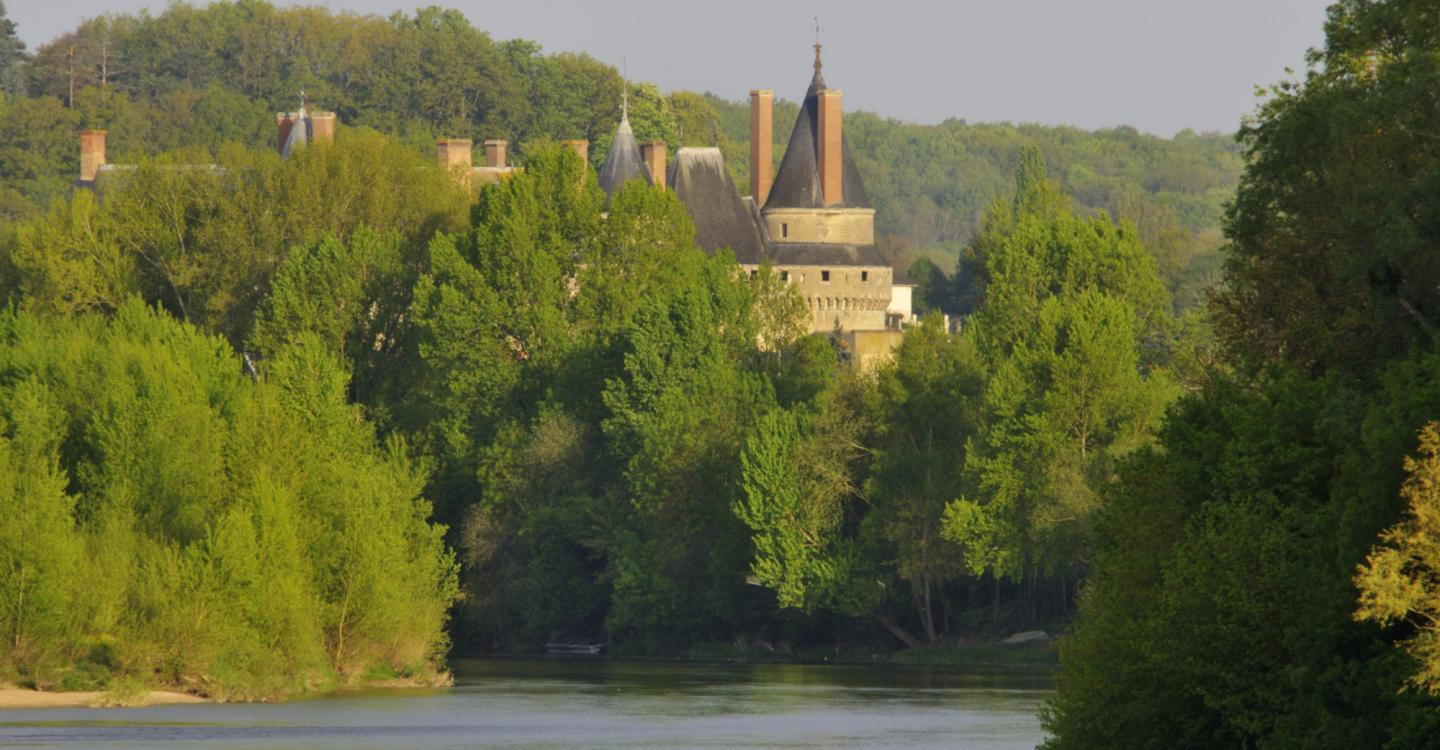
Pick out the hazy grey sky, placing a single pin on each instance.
(1160, 65)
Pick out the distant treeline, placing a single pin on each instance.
(200, 76)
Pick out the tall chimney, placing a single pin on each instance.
(761, 142)
(92, 154)
(653, 154)
(832, 177)
(495, 153)
(581, 147)
(322, 127)
(454, 157)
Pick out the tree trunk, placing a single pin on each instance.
(995, 603)
(897, 631)
(927, 616)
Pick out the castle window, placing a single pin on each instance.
(752, 274)
(825, 277)
(784, 275)
(864, 276)
(784, 230)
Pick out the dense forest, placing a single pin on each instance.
(291, 423)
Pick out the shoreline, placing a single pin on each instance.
(17, 698)
(21, 698)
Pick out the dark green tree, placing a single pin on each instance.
(12, 57)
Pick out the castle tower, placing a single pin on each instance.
(820, 224)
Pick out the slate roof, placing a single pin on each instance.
(299, 133)
(824, 254)
(702, 182)
(622, 162)
(797, 183)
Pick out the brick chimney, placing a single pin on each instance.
(762, 139)
(581, 147)
(322, 127)
(832, 169)
(92, 153)
(495, 153)
(455, 157)
(653, 154)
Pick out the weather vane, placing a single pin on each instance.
(817, 42)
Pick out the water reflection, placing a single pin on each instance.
(596, 704)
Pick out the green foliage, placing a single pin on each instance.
(12, 58)
(1072, 307)
(352, 296)
(678, 416)
(203, 242)
(1221, 610)
(1397, 580)
(1333, 225)
(178, 524)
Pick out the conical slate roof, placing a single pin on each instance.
(797, 184)
(299, 133)
(622, 162)
(703, 184)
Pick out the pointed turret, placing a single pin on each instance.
(817, 141)
(623, 161)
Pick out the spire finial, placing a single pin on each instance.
(302, 100)
(625, 91)
(817, 44)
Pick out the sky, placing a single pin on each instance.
(1158, 65)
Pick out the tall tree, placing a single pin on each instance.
(1333, 227)
(12, 57)
(1072, 313)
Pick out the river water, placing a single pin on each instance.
(585, 703)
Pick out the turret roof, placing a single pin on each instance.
(797, 183)
(623, 161)
(722, 219)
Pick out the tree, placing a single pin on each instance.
(1072, 310)
(1397, 579)
(171, 520)
(12, 58)
(39, 547)
(931, 408)
(354, 296)
(1332, 229)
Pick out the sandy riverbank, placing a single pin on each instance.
(12, 697)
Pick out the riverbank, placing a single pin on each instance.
(17, 698)
(132, 696)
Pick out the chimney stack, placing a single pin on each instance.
(762, 139)
(581, 147)
(832, 179)
(455, 157)
(495, 153)
(322, 127)
(653, 154)
(92, 154)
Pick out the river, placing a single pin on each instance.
(585, 703)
